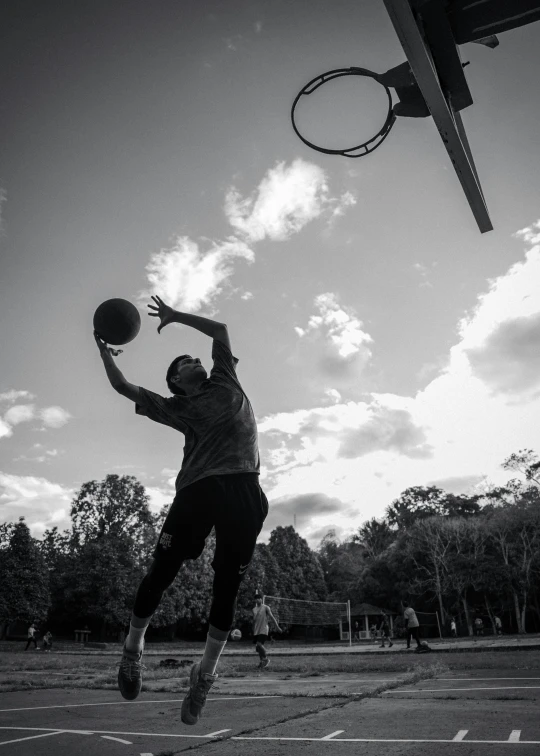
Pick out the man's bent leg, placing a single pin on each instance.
(161, 574)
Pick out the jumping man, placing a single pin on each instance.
(261, 614)
(217, 487)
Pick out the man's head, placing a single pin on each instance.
(185, 374)
(258, 601)
(405, 604)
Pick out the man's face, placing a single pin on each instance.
(189, 370)
(258, 602)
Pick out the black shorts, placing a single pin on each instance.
(260, 639)
(235, 505)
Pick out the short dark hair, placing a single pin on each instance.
(405, 603)
(171, 372)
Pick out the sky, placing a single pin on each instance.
(382, 340)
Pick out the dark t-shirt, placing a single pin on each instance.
(218, 422)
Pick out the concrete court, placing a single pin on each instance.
(478, 712)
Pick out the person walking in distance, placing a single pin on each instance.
(217, 487)
(498, 625)
(384, 628)
(412, 625)
(453, 627)
(31, 636)
(261, 630)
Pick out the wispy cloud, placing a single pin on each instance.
(19, 413)
(54, 417)
(16, 414)
(189, 278)
(13, 394)
(191, 275)
(288, 198)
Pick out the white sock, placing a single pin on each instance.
(215, 643)
(135, 638)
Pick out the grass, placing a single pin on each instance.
(33, 669)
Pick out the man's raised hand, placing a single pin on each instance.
(162, 311)
(103, 348)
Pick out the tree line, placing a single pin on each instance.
(455, 554)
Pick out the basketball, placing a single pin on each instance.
(117, 321)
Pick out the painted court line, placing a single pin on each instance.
(483, 679)
(52, 731)
(130, 703)
(31, 737)
(387, 740)
(218, 732)
(441, 690)
(118, 740)
(332, 735)
(514, 736)
(460, 735)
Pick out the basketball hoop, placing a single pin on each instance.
(366, 147)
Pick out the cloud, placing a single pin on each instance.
(43, 503)
(333, 348)
(305, 506)
(500, 339)
(13, 395)
(286, 200)
(19, 413)
(454, 433)
(54, 417)
(458, 485)
(5, 429)
(387, 429)
(188, 278)
(509, 359)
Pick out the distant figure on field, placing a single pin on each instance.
(261, 614)
(47, 641)
(31, 636)
(453, 628)
(479, 626)
(498, 625)
(356, 632)
(384, 627)
(373, 632)
(412, 625)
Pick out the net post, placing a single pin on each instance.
(438, 625)
(349, 618)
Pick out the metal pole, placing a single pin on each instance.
(438, 623)
(349, 617)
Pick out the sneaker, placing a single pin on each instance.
(265, 662)
(195, 700)
(390, 645)
(130, 674)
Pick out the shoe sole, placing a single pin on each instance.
(185, 714)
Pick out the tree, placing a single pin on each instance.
(419, 502)
(115, 506)
(375, 536)
(428, 544)
(25, 578)
(301, 574)
(526, 462)
(343, 565)
(515, 530)
(102, 583)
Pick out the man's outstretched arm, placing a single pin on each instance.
(166, 314)
(115, 376)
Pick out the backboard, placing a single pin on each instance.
(424, 30)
